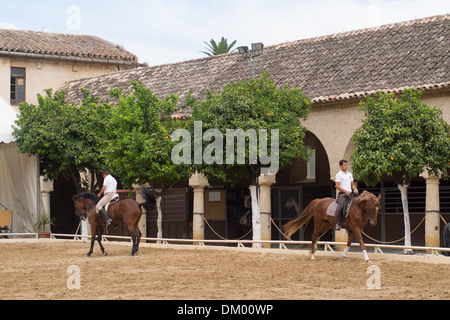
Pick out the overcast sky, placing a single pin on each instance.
(168, 31)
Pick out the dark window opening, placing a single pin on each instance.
(17, 86)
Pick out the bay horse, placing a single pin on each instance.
(127, 211)
(363, 209)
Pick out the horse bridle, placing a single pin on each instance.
(367, 213)
(85, 215)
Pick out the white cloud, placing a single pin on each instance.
(165, 31)
(7, 25)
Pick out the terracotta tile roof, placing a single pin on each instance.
(61, 45)
(336, 67)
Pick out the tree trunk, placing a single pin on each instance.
(256, 214)
(159, 221)
(404, 193)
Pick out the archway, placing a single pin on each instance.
(300, 183)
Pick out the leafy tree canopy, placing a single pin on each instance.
(66, 137)
(253, 105)
(139, 148)
(400, 137)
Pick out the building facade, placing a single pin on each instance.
(336, 72)
(31, 62)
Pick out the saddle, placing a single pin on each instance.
(115, 199)
(347, 206)
(331, 211)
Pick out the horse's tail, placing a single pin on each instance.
(291, 227)
(150, 199)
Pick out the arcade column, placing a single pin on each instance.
(265, 184)
(432, 222)
(46, 189)
(198, 182)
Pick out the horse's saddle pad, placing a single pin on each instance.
(114, 199)
(331, 211)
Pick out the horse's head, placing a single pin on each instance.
(371, 205)
(83, 204)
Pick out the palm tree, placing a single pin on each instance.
(220, 48)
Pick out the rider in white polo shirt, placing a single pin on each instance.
(109, 190)
(345, 185)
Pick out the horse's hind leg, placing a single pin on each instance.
(139, 236)
(134, 239)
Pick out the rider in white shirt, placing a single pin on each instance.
(345, 185)
(109, 190)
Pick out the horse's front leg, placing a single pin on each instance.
(99, 240)
(351, 236)
(362, 245)
(94, 235)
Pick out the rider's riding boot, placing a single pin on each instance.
(105, 216)
(338, 221)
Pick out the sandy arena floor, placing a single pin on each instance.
(38, 270)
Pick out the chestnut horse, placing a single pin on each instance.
(127, 211)
(364, 208)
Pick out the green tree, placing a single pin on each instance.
(400, 138)
(215, 48)
(139, 148)
(257, 113)
(67, 138)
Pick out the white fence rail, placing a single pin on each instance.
(240, 243)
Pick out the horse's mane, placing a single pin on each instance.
(366, 195)
(87, 196)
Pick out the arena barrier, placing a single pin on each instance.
(282, 244)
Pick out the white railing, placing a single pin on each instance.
(241, 243)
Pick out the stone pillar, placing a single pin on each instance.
(265, 183)
(432, 222)
(341, 236)
(46, 189)
(198, 182)
(143, 222)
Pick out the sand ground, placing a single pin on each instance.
(38, 270)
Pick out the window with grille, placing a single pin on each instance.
(17, 86)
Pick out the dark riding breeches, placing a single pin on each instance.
(342, 198)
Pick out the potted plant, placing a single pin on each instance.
(42, 221)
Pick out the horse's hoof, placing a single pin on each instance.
(369, 262)
(105, 254)
(133, 254)
(313, 257)
(88, 255)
